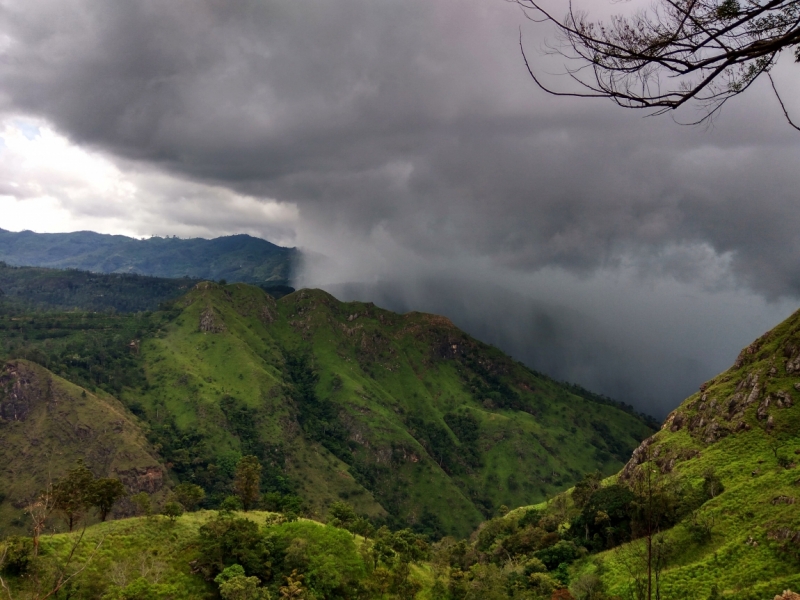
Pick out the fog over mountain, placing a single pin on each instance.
(405, 148)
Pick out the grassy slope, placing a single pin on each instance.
(162, 551)
(48, 423)
(719, 428)
(236, 258)
(379, 369)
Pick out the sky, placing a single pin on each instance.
(404, 148)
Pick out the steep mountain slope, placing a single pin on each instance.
(47, 424)
(742, 428)
(235, 258)
(398, 414)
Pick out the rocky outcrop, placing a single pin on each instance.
(210, 322)
(20, 390)
(267, 315)
(146, 479)
(639, 456)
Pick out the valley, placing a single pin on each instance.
(420, 461)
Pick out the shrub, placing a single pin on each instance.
(234, 585)
(143, 504)
(562, 552)
(228, 540)
(173, 510)
(189, 495)
(19, 555)
(141, 589)
(230, 504)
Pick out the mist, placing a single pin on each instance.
(649, 342)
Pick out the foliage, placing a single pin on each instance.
(103, 494)
(17, 555)
(327, 557)
(72, 494)
(562, 552)
(27, 289)
(227, 540)
(278, 502)
(173, 510)
(188, 495)
(247, 481)
(142, 589)
(318, 417)
(143, 503)
(234, 585)
(605, 518)
(382, 416)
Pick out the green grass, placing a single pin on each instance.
(372, 427)
(110, 556)
(53, 424)
(745, 557)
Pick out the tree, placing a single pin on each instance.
(655, 506)
(189, 495)
(235, 585)
(104, 493)
(228, 540)
(247, 481)
(71, 494)
(704, 51)
(173, 510)
(584, 489)
(342, 515)
(294, 587)
(143, 503)
(39, 510)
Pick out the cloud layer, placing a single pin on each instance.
(405, 141)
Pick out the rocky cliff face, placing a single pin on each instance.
(20, 391)
(47, 424)
(758, 393)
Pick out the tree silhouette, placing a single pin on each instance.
(678, 51)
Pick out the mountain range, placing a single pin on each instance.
(234, 258)
(533, 487)
(405, 416)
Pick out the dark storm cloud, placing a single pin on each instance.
(415, 122)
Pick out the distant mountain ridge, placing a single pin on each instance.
(240, 258)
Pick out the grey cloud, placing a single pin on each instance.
(415, 122)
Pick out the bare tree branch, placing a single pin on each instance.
(780, 101)
(676, 52)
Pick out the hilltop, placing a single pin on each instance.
(407, 418)
(234, 258)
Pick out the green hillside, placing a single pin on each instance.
(398, 414)
(47, 424)
(158, 559)
(716, 488)
(404, 416)
(234, 258)
(743, 426)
